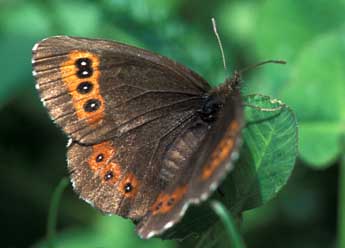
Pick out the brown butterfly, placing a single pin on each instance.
(148, 136)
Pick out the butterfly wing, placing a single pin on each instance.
(203, 171)
(121, 106)
(95, 89)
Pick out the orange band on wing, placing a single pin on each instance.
(165, 202)
(73, 78)
(222, 150)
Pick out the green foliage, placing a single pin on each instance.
(320, 103)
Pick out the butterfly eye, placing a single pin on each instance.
(85, 87)
(92, 105)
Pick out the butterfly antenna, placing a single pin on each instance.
(219, 41)
(262, 63)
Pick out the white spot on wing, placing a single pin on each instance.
(168, 225)
(213, 186)
(89, 202)
(73, 184)
(234, 156)
(69, 142)
(36, 46)
(37, 87)
(204, 196)
(150, 234)
(34, 73)
(183, 210)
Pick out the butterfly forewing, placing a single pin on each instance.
(96, 89)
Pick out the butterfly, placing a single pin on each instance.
(147, 136)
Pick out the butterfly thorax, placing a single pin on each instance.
(210, 108)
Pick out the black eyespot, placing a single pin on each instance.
(84, 72)
(159, 205)
(128, 187)
(92, 105)
(85, 87)
(99, 157)
(171, 201)
(85, 67)
(83, 63)
(109, 175)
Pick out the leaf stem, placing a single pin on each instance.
(53, 210)
(341, 192)
(229, 223)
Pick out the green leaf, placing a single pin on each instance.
(316, 92)
(267, 156)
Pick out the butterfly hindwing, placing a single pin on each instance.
(202, 172)
(101, 172)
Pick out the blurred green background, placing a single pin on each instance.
(309, 35)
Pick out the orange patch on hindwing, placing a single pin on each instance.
(222, 150)
(129, 185)
(110, 172)
(165, 202)
(80, 73)
(99, 162)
